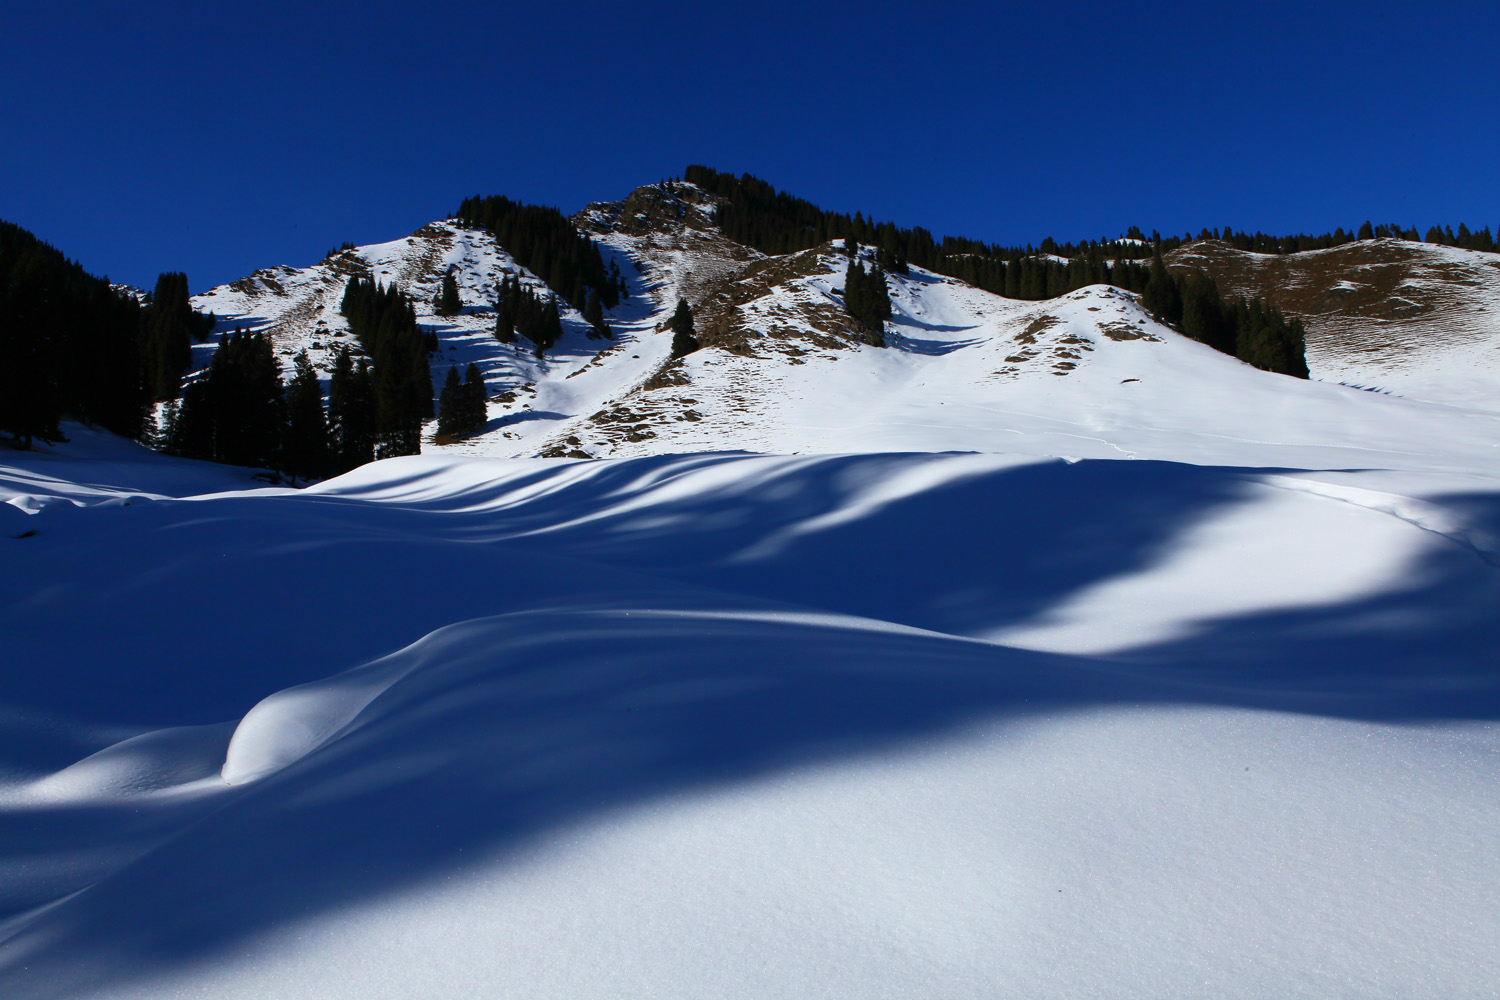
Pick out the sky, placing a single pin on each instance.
(220, 138)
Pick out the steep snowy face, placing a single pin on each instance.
(1416, 319)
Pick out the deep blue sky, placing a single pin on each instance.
(218, 138)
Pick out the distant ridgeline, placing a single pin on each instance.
(72, 344)
(774, 222)
(543, 241)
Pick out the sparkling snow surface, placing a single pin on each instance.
(959, 702)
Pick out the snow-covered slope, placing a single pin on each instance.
(1416, 319)
(1041, 652)
(1087, 375)
(299, 308)
(680, 726)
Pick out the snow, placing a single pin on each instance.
(1121, 669)
(1438, 342)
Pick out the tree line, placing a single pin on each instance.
(1249, 329)
(775, 222)
(240, 412)
(543, 241)
(71, 343)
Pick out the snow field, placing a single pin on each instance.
(877, 725)
(1040, 653)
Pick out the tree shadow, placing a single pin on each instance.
(521, 417)
(936, 348)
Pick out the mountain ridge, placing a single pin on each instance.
(775, 331)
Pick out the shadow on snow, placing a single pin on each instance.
(608, 651)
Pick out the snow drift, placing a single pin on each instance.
(884, 724)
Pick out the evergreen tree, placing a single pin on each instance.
(594, 314)
(505, 317)
(878, 295)
(1161, 297)
(519, 312)
(548, 330)
(446, 302)
(1366, 232)
(234, 412)
(69, 344)
(867, 300)
(450, 405)
(1269, 341)
(305, 450)
(385, 323)
(461, 407)
(475, 398)
(684, 337)
(168, 335)
(351, 412)
(1204, 317)
(191, 430)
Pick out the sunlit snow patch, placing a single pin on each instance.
(1279, 549)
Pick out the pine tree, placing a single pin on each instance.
(505, 313)
(191, 431)
(305, 451)
(235, 411)
(854, 288)
(594, 314)
(1161, 297)
(450, 405)
(684, 337)
(340, 381)
(385, 323)
(351, 412)
(69, 344)
(548, 329)
(545, 242)
(168, 337)
(1366, 232)
(1203, 315)
(358, 430)
(475, 397)
(446, 302)
(867, 301)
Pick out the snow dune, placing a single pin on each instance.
(900, 724)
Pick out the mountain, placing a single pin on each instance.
(1040, 651)
(784, 371)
